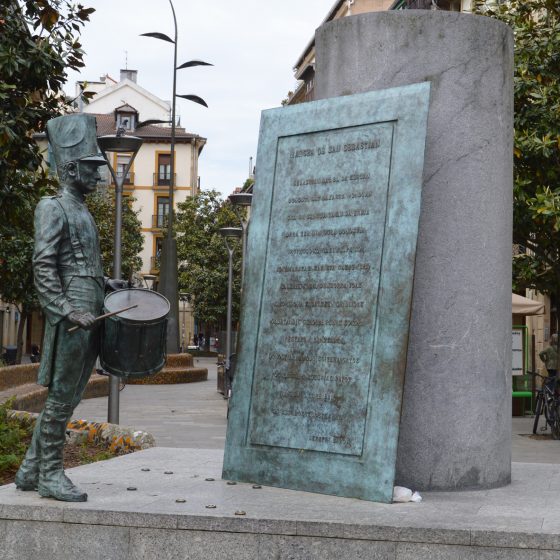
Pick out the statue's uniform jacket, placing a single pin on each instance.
(69, 277)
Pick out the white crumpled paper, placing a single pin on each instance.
(402, 495)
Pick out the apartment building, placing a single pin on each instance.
(125, 104)
(304, 68)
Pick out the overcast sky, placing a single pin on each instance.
(253, 45)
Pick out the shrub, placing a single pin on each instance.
(14, 438)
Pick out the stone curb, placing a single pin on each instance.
(170, 376)
(31, 397)
(12, 376)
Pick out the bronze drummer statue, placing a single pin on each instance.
(69, 280)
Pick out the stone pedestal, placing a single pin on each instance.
(456, 418)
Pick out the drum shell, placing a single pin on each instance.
(133, 348)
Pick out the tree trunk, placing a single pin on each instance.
(21, 328)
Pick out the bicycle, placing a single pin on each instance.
(548, 403)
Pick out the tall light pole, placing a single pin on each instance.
(184, 297)
(244, 200)
(168, 278)
(120, 144)
(228, 233)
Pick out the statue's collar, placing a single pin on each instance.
(73, 194)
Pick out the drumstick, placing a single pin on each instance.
(72, 329)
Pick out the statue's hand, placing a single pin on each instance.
(112, 284)
(83, 319)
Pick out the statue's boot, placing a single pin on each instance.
(27, 477)
(53, 483)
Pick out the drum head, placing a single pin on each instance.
(151, 305)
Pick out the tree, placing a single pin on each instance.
(286, 99)
(102, 207)
(248, 185)
(16, 276)
(536, 208)
(39, 43)
(203, 272)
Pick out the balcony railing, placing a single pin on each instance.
(164, 179)
(128, 180)
(154, 264)
(159, 221)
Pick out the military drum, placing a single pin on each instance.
(133, 343)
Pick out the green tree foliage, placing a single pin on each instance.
(38, 44)
(202, 252)
(102, 207)
(14, 439)
(536, 210)
(248, 184)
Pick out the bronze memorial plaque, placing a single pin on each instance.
(328, 287)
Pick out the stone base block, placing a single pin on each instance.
(171, 503)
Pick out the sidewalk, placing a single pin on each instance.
(193, 415)
(182, 415)
(525, 448)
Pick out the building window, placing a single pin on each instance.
(158, 245)
(126, 121)
(309, 85)
(122, 161)
(163, 175)
(450, 5)
(162, 210)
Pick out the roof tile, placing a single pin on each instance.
(106, 125)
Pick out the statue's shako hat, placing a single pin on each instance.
(74, 138)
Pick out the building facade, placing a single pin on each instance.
(304, 68)
(125, 104)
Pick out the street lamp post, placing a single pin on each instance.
(184, 297)
(149, 280)
(244, 200)
(168, 278)
(228, 233)
(120, 144)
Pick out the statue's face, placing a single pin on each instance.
(87, 178)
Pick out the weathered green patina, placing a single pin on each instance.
(69, 281)
(324, 328)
